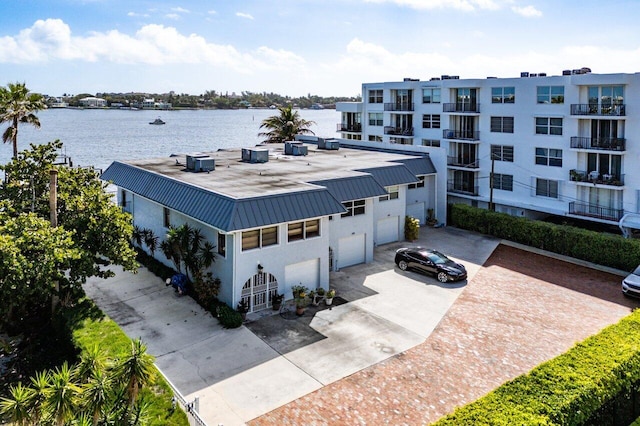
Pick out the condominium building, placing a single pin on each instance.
(535, 146)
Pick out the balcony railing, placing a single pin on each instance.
(399, 106)
(598, 109)
(596, 177)
(461, 135)
(590, 210)
(460, 107)
(607, 144)
(462, 162)
(398, 131)
(355, 127)
(462, 188)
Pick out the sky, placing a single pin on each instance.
(302, 47)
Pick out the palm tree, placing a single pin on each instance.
(97, 394)
(40, 384)
(17, 407)
(136, 370)
(61, 403)
(285, 126)
(17, 105)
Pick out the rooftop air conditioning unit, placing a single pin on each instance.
(332, 144)
(585, 70)
(445, 77)
(533, 75)
(299, 150)
(288, 147)
(542, 74)
(434, 79)
(524, 74)
(566, 72)
(205, 164)
(191, 160)
(255, 155)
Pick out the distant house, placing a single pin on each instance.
(149, 103)
(93, 102)
(283, 214)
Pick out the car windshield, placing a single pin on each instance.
(637, 271)
(435, 257)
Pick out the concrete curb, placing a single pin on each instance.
(565, 258)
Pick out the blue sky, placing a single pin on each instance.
(297, 47)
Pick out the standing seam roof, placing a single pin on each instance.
(396, 174)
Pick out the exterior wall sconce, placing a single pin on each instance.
(260, 267)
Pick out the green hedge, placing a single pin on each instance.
(91, 328)
(600, 248)
(566, 390)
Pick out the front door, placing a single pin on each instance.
(259, 290)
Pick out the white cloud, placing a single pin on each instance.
(135, 14)
(179, 10)
(527, 11)
(212, 12)
(465, 5)
(173, 16)
(244, 15)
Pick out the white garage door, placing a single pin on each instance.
(417, 210)
(351, 251)
(306, 273)
(387, 230)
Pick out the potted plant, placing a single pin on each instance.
(302, 300)
(431, 217)
(243, 308)
(276, 301)
(330, 295)
(297, 289)
(313, 297)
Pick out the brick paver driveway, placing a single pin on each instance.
(518, 311)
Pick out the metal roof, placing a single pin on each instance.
(391, 175)
(353, 188)
(418, 166)
(220, 211)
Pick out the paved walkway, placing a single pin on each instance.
(239, 375)
(518, 311)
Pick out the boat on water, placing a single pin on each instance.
(157, 121)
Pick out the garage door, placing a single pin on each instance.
(417, 210)
(351, 251)
(387, 230)
(306, 273)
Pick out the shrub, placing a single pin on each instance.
(411, 228)
(228, 317)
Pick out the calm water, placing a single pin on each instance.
(98, 137)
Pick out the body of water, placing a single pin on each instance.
(96, 138)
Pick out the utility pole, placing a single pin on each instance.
(53, 215)
(491, 206)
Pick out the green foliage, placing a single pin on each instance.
(229, 318)
(566, 390)
(411, 228)
(285, 126)
(604, 249)
(155, 266)
(18, 105)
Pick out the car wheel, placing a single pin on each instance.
(403, 265)
(443, 277)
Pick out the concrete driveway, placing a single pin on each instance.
(239, 375)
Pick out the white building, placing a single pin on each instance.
(280, 215)
(563, 145)
(93, 102)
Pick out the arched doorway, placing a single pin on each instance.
(258, 291)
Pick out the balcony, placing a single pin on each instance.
(462, 162)
(354, 127)
(598, 109)
(398, 131)
(399, 106)
(597, 212)
(460, 107)
(462, 188)
(604, 144)
(596, 178)
(465, 135)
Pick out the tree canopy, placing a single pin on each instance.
(18, 105)
(92, 234)
(285, 126)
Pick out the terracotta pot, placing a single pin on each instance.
(299, 311)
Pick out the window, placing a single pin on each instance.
(430, 121)
(502, 124)
(375, 96)
(375, 138)
(503, 95)
(222, 244)
(166, 213)
(431, 95)
(503, 182)
(547, 188)
(375, 119)
(431, 142)
(502, 153)
(419, 184)
(303, 230)
(123, 199)
(401, 141)
(549, 157)
(257, 238)
(354, 208)
(550, 94)
(392, 193)
(548, 126)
